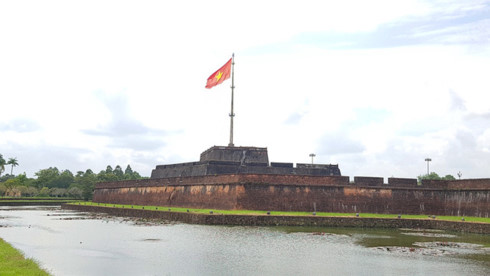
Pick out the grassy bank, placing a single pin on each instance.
(12, 262)
(281, 213)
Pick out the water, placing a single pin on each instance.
(73, 243)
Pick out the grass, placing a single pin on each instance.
(280, 213)
(12, 262)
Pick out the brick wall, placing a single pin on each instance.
(402, 182)
(296, 193)
(368, 181)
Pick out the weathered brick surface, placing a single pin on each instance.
(368, 181)
(294, 193)
(230, 178)
(402, 182)
(483, 183)
(439, 184)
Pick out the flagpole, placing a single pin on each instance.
(232, 96)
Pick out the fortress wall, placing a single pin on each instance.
(482, 183)
(230, 178)
(438, 184)
(192, 196)
(368, 181)
(367, 200)
(294, 193)
(402, 182)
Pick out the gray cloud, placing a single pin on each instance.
(457, 25)
(20, 125)
(294, 118)
(34, 158)
(457, 103)
(125, 131)
(339, 143)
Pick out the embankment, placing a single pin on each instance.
(271, 220)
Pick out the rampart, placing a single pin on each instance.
(470, 197)
(240, 160)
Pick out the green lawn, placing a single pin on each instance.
(281, 213)
(12, 262)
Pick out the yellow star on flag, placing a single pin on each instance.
(218, 76)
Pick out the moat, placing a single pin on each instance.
(74, 243)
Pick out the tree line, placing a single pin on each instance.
(11, 161)
(435, 176)
(52, 182)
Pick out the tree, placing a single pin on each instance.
(32, 191)
(64, 180)
(75, 192)
(79, 174)
(86, 184)
(23, 179)
(2, 164)
(3, 189)
(128, 172)
(23, 190)
(13, 162)
(44, 192)
(118, 172)
(449, 177)
(108, 169)
(57, 192)
(435, 176)
(136, 175)
(103, 176)
(11, 185)
(47, 177)
(6, 177)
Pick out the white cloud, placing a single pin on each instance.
(118, 82)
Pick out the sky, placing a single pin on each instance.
(374, 86)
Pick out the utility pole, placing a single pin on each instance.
(428, 160)
(312, 155)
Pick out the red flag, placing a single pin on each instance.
(219, 76)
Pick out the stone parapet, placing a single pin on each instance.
(402, 182)
(368, 181)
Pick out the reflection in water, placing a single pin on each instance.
(73, 243)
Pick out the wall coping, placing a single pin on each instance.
(270, 179)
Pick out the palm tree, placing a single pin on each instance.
(2, 164)
(14, 163)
